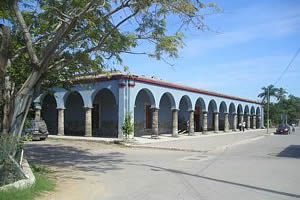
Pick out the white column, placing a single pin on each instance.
(234, 121)
(254, 121)
(191, 123)
(88, 122)
(174, 122)
(226, 122)
(61, 123)
(204, 122)
(154, 123)
(248, 122)
(216, 119)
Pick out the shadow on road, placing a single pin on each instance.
(64, 156)
(292, 151)
(156, 168)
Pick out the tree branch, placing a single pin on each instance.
(52, 46)
(110, 32)
(27, 36)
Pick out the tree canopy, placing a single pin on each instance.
(46, 42)
(66, 38)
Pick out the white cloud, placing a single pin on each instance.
(272, 27)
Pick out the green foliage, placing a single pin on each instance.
(289, 106)
(128, 126)
(44, 183)
(278, 93)
(9, 146)
(101, 36)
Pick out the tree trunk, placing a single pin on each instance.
(4, 83)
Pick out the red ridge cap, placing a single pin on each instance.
(165, 84)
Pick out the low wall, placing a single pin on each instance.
(24, 183)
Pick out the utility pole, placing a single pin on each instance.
(268, 110)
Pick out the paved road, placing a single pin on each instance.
(263, 169)
(204, 142)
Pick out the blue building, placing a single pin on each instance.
(96, 106)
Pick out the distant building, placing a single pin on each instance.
(96, 106)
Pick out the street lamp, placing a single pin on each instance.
(268, 110)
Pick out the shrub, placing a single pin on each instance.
(127, 127)
(10, 153)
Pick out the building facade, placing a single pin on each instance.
(96, 106)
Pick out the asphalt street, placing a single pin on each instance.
(267, 168)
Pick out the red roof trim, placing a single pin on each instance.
(164, 84)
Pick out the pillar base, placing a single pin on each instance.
(191, 134)
(154, 137)
(175, 135)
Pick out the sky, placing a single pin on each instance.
(250, 44)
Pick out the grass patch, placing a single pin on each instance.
(44, 183)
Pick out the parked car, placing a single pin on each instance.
(38, 130)
(283, 129)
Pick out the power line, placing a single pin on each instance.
(287, 67)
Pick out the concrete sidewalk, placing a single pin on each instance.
(199, 142)
(196, 143)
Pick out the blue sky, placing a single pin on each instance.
(252, 43)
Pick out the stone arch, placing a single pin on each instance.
(49, 112)
(74, 114)
(200, 107)
(185, 105)
(222, 111)
(96, 92)
(240, 115)
(144, 102)
(258, 118)
(231, 114)
(170, 98)
(240, 109)
(212, 109)
(246, 115)
(104, 114)
(257, 111)
(150, 96)
(246, 110)
(166, 104)
(252, 112)
(68, 93)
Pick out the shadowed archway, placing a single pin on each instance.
(222, 111)
(185, 106)
(49, 113)
(166, 104)
(212, 109)
(144, 101)
(200, 107)
(231, 114)
(74, 115)
(105, 114)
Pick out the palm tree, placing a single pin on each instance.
(281, 94)
(272, 92)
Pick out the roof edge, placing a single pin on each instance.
(117, 76)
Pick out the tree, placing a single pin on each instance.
(272, 92)
(44, 43)
(289, 106)
(128, 126)
(281, 94)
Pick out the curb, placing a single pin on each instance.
(23, 183)
(194, 150)
(84, 139)
(240, 142)
(163, 148)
